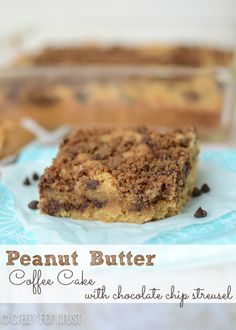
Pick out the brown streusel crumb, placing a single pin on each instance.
(131, 175)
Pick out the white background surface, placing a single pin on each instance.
(29, 24)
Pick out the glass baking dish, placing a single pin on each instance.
(91, 95)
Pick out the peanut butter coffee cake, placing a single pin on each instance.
(131, 175)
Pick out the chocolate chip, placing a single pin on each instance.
(83, 206)
(92, 184)
(145, 167)
(200, 213)
(33, 205)
(41, 97)
(141, 129)
(26, 182)
(12, 95)
(68, 206)
(139, 206)
(205, 188)
(163, 187)
(98, 204)
(35, 176)
(14, 90)
(196, 192)
(127, 100)
(66, 139)
(191, 95)
(184, 143)
(128, 144)
(186, 168)
(81, 96)
(53, 206)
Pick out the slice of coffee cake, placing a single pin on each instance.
(131, 175)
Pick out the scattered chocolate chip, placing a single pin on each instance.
(35, 176)
(205, 188)
(196, 192)
(92, 184)
(33, 205)
(200, 213)
(26, 182)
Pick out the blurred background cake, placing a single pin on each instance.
(178, 72)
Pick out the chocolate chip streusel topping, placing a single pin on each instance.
(146, 165)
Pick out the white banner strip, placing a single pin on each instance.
(113, 273)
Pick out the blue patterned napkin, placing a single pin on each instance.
(19, 224)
